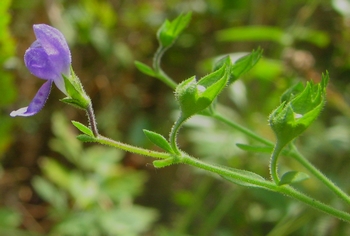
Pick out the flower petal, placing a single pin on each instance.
(37, 103)
(55, 46)
(38, 62)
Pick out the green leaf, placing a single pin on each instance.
(274, 34)
(244, 64)
(170, 30)
(316, 37)
(55, 172)
(163, 163)
(158, 140)
(9, 218)
(293, 177)
(254, 33)
(50, 193)
(290, 93)
(240, 66)
(83, 128)
(145, 69)
(86, 138)
(246, 173)
(252, 148)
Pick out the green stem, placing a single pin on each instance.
(240, 128)
(284, 189)
(293, 153)
(92, 120)
(273, 162)
(318, 174)
(160, 74)
(173, 134)
(129, 148)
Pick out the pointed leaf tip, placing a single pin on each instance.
(84, 129)
(158, 140)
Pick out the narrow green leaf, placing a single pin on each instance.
(163, 163)
(290, 93)
(158, 140)
(252, 148)
(316, 37)
(50, 193)
(145, 69)
(244, 64)
(293, 177)
(254, 33)
(86, 138)
(83, 128)
(246, 173)
(170, 30)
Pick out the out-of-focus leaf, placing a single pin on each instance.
(50, 193)
(133, 220)
(254, 33)
(9, 218)
(145, 69)
(56, 172)
(316, 37)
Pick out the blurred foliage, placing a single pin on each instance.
(93, 188)
(7, 86)
(95, 197)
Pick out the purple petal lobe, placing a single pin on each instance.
(49, 56)
(37, 103)
(55, 46)
(38, 62)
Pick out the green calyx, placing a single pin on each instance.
(194, 96)
(299, 108)
(76, 93)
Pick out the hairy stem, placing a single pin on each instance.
(273, 163)
(92, 120)
(130, 148)
(318, 174)
(284, 189)
(173, 134)
(159, 72)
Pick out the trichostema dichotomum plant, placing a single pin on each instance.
(49, 58)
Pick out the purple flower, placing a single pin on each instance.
(47, 58)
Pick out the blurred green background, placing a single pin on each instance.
(50, 184)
